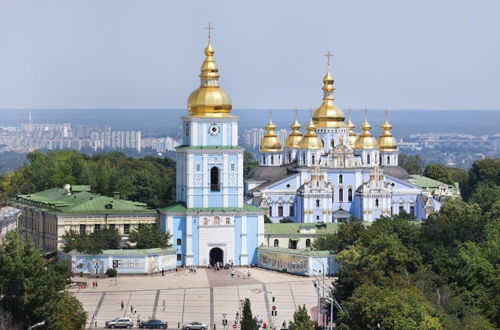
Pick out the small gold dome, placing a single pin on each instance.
(209, 100)
(328, 114)
(351, 140)
(270, 142)
(366, 140)
(386, 142)
(293, 140)
(311, 140)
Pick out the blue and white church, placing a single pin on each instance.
(211, 223)
(330, 173)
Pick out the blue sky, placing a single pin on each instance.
(425, 54)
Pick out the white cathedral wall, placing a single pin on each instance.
(220, 236)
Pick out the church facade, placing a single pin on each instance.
(211, 223)
(330, 173)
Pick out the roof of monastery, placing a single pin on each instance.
(396, 171)
(181, 208)
(308, 253)
(79, 200)
(425, 182)
(300, 229)
(264, 173)
(130, 252)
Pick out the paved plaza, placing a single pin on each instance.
(202, 296)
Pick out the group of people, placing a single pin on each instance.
(182, 270)
(246, 274)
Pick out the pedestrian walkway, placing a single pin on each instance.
(204, 297)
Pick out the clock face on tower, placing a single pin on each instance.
(214, 129)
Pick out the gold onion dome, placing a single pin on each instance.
(387, 142)
(328, 114)
(270, 142)
(293, 140)
(311, 139)
(366, 140)
(209, 100)
(351, 140)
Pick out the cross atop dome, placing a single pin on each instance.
(328, 55)
(210, 27)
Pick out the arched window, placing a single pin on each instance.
(368, 159)
(332, 143)
(270, 211)
(341, 178)
(216, 220)
(264, 159)
(205, 221)
(291, 211)
(228, 221)
(304, 159)
(289, 157)
(318, 202)
(276, 243)
(349, 195)
(313, 159)
(272, 160)
(388, 160)
(308, 243)
(198, 167)
(341, 195)
(376, 202)
(214, 179)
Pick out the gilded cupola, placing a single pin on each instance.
(209, 100)
(387, 142)
(328, 114)
(293, 140)
(270, 142)
(366, 140)
(351, 140)
(311, 140)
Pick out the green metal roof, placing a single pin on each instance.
(309, 253)
(180, 208)
(131, 251)
(80, 201)
(425, 182)
(293, 229)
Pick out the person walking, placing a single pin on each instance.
(283, 325)
(122, 305)
(162, 272)
(163, 305)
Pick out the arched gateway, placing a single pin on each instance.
(216, 255)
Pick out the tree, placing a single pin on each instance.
(249, 162)
(286, 220)
(413, 164)
(438, 172)
(485, 171)
(302, 320)
(373, 307)
(91, 242)
(147, 236)
(248, 322)
(31, 290)
(347, 234)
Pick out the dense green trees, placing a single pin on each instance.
(249, 162)
(147, 236)
(32, 290)
(438, 172)
(413, 164)
(149, 180)
(302, 320)
(92, 242)
(439, 274)
(248, 322)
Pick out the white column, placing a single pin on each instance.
(225, 180)
(239, 180)
(189, 181)
(204, 133)
(189, 240)
(206, 174)
(244, 253)
(234, 131)
(194, 134)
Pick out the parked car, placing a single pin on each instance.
(153, 324)
(120, 322)
(195, 326)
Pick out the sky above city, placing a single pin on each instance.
(388, 54)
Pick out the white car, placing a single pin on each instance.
(194, 326)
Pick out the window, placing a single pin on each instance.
(401, 209)
(179, 257)
(332, 143)
(308, 241)
(216, 220)
(97, 226)
(313, 159)
(292, 210)
(232, 166)
(187, 129)
(388, 160)
(264, 159)
(228, 221)
(341, 178)
(276, 243)
(292, 244)
(412, 210)
(376, 202)
(289, 157)
(112, 226)
(318, 202)
(349, 195)
(205, 221)
(126, 229)
(341, 195)
(304, 159)
(280, 211)
(368, 159)
(270, 211)
(317, 217)
(198, 167)
(272, 160)
(83, 229)
(214, 179)
(179, 241)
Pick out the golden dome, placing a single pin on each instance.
(270, 142)
(328, 114)
(351, 140)
(311, 139)
(293, 140)
(366, 140)
(209, 100)
(386, 142)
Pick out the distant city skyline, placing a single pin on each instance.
(126, 54)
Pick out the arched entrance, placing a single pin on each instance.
(216, 255)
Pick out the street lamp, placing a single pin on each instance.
(331, 300)
(39, 324)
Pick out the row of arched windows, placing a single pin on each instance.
(276, 243)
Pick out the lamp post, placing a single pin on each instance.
(39, 324)
(331, 300)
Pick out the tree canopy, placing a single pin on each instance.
(92, 242)
(147, 236)
(248, 322)
(302, 320)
